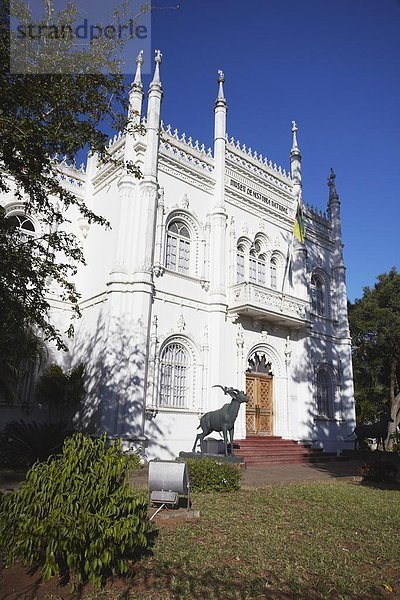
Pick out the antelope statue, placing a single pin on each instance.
(223, 419)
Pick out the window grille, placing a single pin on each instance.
(174, 376)
(253, 268)
(273, 274)
(261, 270)
(240, 270)
(257, 268)
(178, 248)
(317, 295)
(324, 395)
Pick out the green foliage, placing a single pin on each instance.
(133, 461)
(22, 443)
(379, 471)
(395, 441)
(375, 329)
(75, 516)
(207, 475)
(43, 117)
(19, 365)
(61, 391)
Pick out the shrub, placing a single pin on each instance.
(22, 444)
(379, 471)
(133, 461)
(61, 391)
(75, 515)
(207, 475)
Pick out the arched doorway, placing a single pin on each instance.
(259, 407)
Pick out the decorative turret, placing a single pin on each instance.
(333, 195)
(334, 218)
(153, 120)
(295, 163)
(338, 268)
(218, 218)
(220, 142)
(136, 93)
(135, 108)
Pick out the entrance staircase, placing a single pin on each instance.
(271, 450)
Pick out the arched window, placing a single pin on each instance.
(174, 384)
(178, 247)
(317, 295)
(240, 261)
(273, 273)
(24, 227)
(324, 394)
(257, 265)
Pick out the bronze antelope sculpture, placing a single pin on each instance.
(223, 419)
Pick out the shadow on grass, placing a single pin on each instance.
(176, 582)
(222, 582)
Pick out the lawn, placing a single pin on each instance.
(319, 540)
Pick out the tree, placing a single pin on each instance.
(375, 329)
(44, 117)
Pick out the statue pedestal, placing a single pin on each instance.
(236, 460)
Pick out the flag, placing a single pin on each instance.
(298, 227)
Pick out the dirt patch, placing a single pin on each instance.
(17, 583)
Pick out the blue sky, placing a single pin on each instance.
(333, 66)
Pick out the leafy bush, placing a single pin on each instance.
(75, 515)
(379, 471)
(61, 391)
(22, 444)
(133, 461)
(395, 441)
(207, 475)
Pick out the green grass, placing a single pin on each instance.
(311, 541)
(305, 541)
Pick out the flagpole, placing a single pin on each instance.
(288, 261)
(298, 231)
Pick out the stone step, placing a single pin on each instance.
(275, 450)
(291, 446)
(294, 460)
(249, 455)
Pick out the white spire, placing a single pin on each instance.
(135, 108)
(295, 163)
(295, 148)
(138, 76)
(294, 131)
(220, 110)
(333, 195)
(153, 121)
(221, 79)
(158, 61)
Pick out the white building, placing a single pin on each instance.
(192, 287)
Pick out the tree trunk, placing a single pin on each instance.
(394, 402)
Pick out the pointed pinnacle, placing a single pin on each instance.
(158, 61)
(138, 76)
(220, 80)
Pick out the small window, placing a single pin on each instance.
(178, 247)
(317, 295)
(174, 376)
(273, 273)
(257, 268)
(240, 270)
(324, 394)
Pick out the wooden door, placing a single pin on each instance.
(259, 405)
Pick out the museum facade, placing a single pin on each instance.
(201, 282)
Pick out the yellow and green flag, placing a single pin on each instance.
(298, 227)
